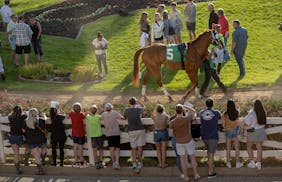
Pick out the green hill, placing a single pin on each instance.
(263, 60)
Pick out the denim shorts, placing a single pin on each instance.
(39, 145)
(231, 133)
(79, 140)
(12, 43)
(18, 140)
(211, 145)
(160, 135)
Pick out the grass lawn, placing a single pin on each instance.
(263, 60)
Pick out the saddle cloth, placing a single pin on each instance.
(176, 52)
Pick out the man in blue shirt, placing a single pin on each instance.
(209, 133)
(239, 45)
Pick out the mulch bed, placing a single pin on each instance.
(66, 18)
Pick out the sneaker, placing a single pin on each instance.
(251, 164)
(239, 165)
(181, 176)
(140, 165)
(76, 165)
(258, 165)
(114, 165)
(117, 166)
(212, 175)
(101, 164)
(97, 165)
(83, 165)
(228, 164)
(134, 166)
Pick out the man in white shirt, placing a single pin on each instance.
(100, 45)
(6, 13)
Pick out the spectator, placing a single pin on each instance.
(213, 16)
(36, 37)
(169, 32)
(255, 123)
(10, 28)
(223, 22)
(95, 132)
(230, 123)
(239, 45)
(101, 45)
(16, 139)
(160, 10)
(157, 29)
(176, 18)
(112, 131)
(190, 12)
(180, 127)
(35, 137)
(144, 26)
(160, 119)
(209, 133)
(58, 134)
(78, 134)
(208, 67)
(6, 13)
(2, 71)
(136, 131)
(22, 35)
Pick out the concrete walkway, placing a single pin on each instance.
(146, 171)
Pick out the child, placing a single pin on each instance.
(2, 74)
(95, 132)
(78, 134)
(112, 131)
(160, 118)
(230, 122)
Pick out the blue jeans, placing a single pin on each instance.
(178, 162)
(241, 64)
(226, 53)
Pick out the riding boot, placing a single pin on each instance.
(40, 169)
(18, 168)
(26, 159)
(43, 162)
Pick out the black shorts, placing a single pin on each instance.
(97, 142)
(114, 141)
(161, 38)
(26, 49)
(191, 26)
(79, 140)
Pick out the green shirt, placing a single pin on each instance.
(94, 126)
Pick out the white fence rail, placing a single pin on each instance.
(274, 126)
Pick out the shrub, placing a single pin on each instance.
(37, 71)
(83, 74)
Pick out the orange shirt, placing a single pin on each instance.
(229, 124)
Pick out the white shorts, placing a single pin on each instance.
(220, 55)
(137, 138)
(186, 148)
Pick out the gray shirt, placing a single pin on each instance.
(190, 12)
(133, 116)
(240, 36)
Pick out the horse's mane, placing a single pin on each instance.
(198, 37)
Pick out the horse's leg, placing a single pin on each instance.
(194, 79)
(144, 86)
(158, 77)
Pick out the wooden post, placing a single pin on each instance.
(2, 154)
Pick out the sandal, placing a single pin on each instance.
(197, 177)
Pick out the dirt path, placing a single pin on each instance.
(239, 95)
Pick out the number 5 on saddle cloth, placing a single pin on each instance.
(177, 53)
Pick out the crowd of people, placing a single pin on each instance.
(22, 33)
(30, 129)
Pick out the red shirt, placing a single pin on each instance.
(223, 21)
(77, 124)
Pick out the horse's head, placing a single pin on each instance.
(215, 39)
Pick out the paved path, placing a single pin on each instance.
(7, 178)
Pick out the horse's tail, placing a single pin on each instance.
(136, 68)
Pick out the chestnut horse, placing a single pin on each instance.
(155, 55)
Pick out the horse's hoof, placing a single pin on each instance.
(170, 99)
